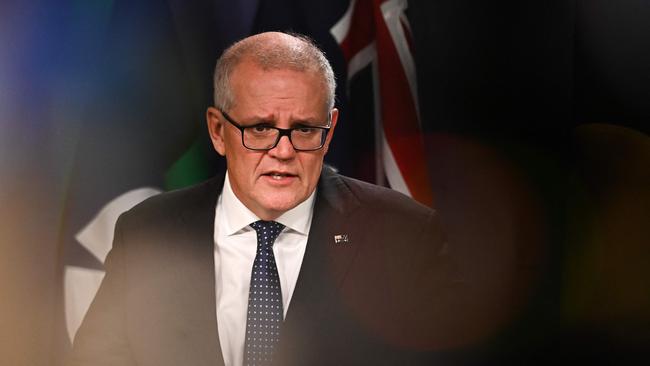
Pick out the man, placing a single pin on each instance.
(281, 260)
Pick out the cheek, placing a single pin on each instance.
(234, 147)
(230, 141)
(243, 162)
(312, 166)
(245, 167)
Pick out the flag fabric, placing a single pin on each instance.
(376, 34)
(349, 149)
(378, 137)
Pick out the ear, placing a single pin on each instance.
(335, 118)
(216, 130)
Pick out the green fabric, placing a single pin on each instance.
(192, 167)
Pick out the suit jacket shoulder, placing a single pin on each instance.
(390, 216)
(156, 304)
(373, 197)
(199, 199)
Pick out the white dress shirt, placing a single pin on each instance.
(234, 252)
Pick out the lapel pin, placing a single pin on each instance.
(341, 239)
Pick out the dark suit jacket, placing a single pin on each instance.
(381, 294)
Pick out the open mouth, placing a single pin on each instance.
(279, 176)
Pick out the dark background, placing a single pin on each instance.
(539, 109)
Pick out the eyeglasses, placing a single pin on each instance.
(263, 137)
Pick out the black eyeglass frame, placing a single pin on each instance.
(282, 132)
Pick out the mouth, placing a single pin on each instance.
(278, 176)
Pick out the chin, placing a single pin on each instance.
(281, 205)
(282, 208)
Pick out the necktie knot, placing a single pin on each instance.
(267, 231)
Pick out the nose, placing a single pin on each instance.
(283, 150)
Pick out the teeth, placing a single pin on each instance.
(276, 176)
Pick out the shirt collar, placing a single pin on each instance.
(238, 216)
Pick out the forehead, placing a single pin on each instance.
(256, 87)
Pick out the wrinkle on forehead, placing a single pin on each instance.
(271, 94)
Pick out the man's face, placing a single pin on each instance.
(271, 182)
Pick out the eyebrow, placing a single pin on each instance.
(255, 121)
(307, 123)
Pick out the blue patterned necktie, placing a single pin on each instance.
(265, 311)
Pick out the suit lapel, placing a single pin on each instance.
(334, 240)
(330, 251)
(330, 247)
(200, 323)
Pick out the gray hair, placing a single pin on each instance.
(272, 50)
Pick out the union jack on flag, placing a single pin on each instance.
(376, 33)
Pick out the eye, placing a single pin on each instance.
(261, 129)
(305, 130)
